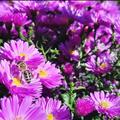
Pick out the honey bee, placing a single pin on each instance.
(22, 66)
(26, 74)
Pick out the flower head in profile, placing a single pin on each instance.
(16, 83)
(14, 109)
(84, 106)
(21, 51)
(106, 103)
(20, 19)
(49, 75)
(53, 109)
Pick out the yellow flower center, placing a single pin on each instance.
(105, 104)
(103, 65)
(50, 117)
(23, 55)
(43, 73)
(16, 82)
(72, 52)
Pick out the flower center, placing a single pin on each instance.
(43, 73)
(73, 52)
(50, 117)
(16, 82)
(105, 104)
(103, 65)
(23, 55)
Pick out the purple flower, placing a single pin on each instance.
(83, 4)
(89, 43)
(106, 103)
(53, 109)
(14, 109)
(99, 64)
(84, 106)
(6, 13)
(49, 75)
(20, 19)
(26, 6)
(16, 82)
(69, 51)
(75, 28)
(21, 51)
(108, 6)
(68, 68)
(101, 42)
(77, 10)
(56, 20)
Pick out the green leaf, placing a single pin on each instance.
(69, 99)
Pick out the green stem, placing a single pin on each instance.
(43, 51)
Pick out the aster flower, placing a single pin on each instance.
(99, 64)
(84, 106)
(26, 6)
(77, 10)
(74, 32)
(49, 75)
(16, 83)
(68, 68)
(53, 109)
(104, 33)
(106, 103)
(55, 14)
(21, 51)
(117, 31)
(6, 12)
(89, 43)
(82, 4)
(56, 20)
(108, 6)
(69, 51)
(31, 8)
(14, 109)
(75, 28)
(20, 19)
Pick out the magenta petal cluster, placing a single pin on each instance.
(17, 84)
(69, 51)
(106, 103)
(53, 109)
(99, 64)
(21, 51)
(49, 75)
(84, 106)
(59, 60)
(14, 109)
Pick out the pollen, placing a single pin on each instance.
(16, 82)
(73, 52)
(103, 65)
(50, 117)
(23, 55)
(43, 73)
(105, 104)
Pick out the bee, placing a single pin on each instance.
(26, 74)
(22, 66)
